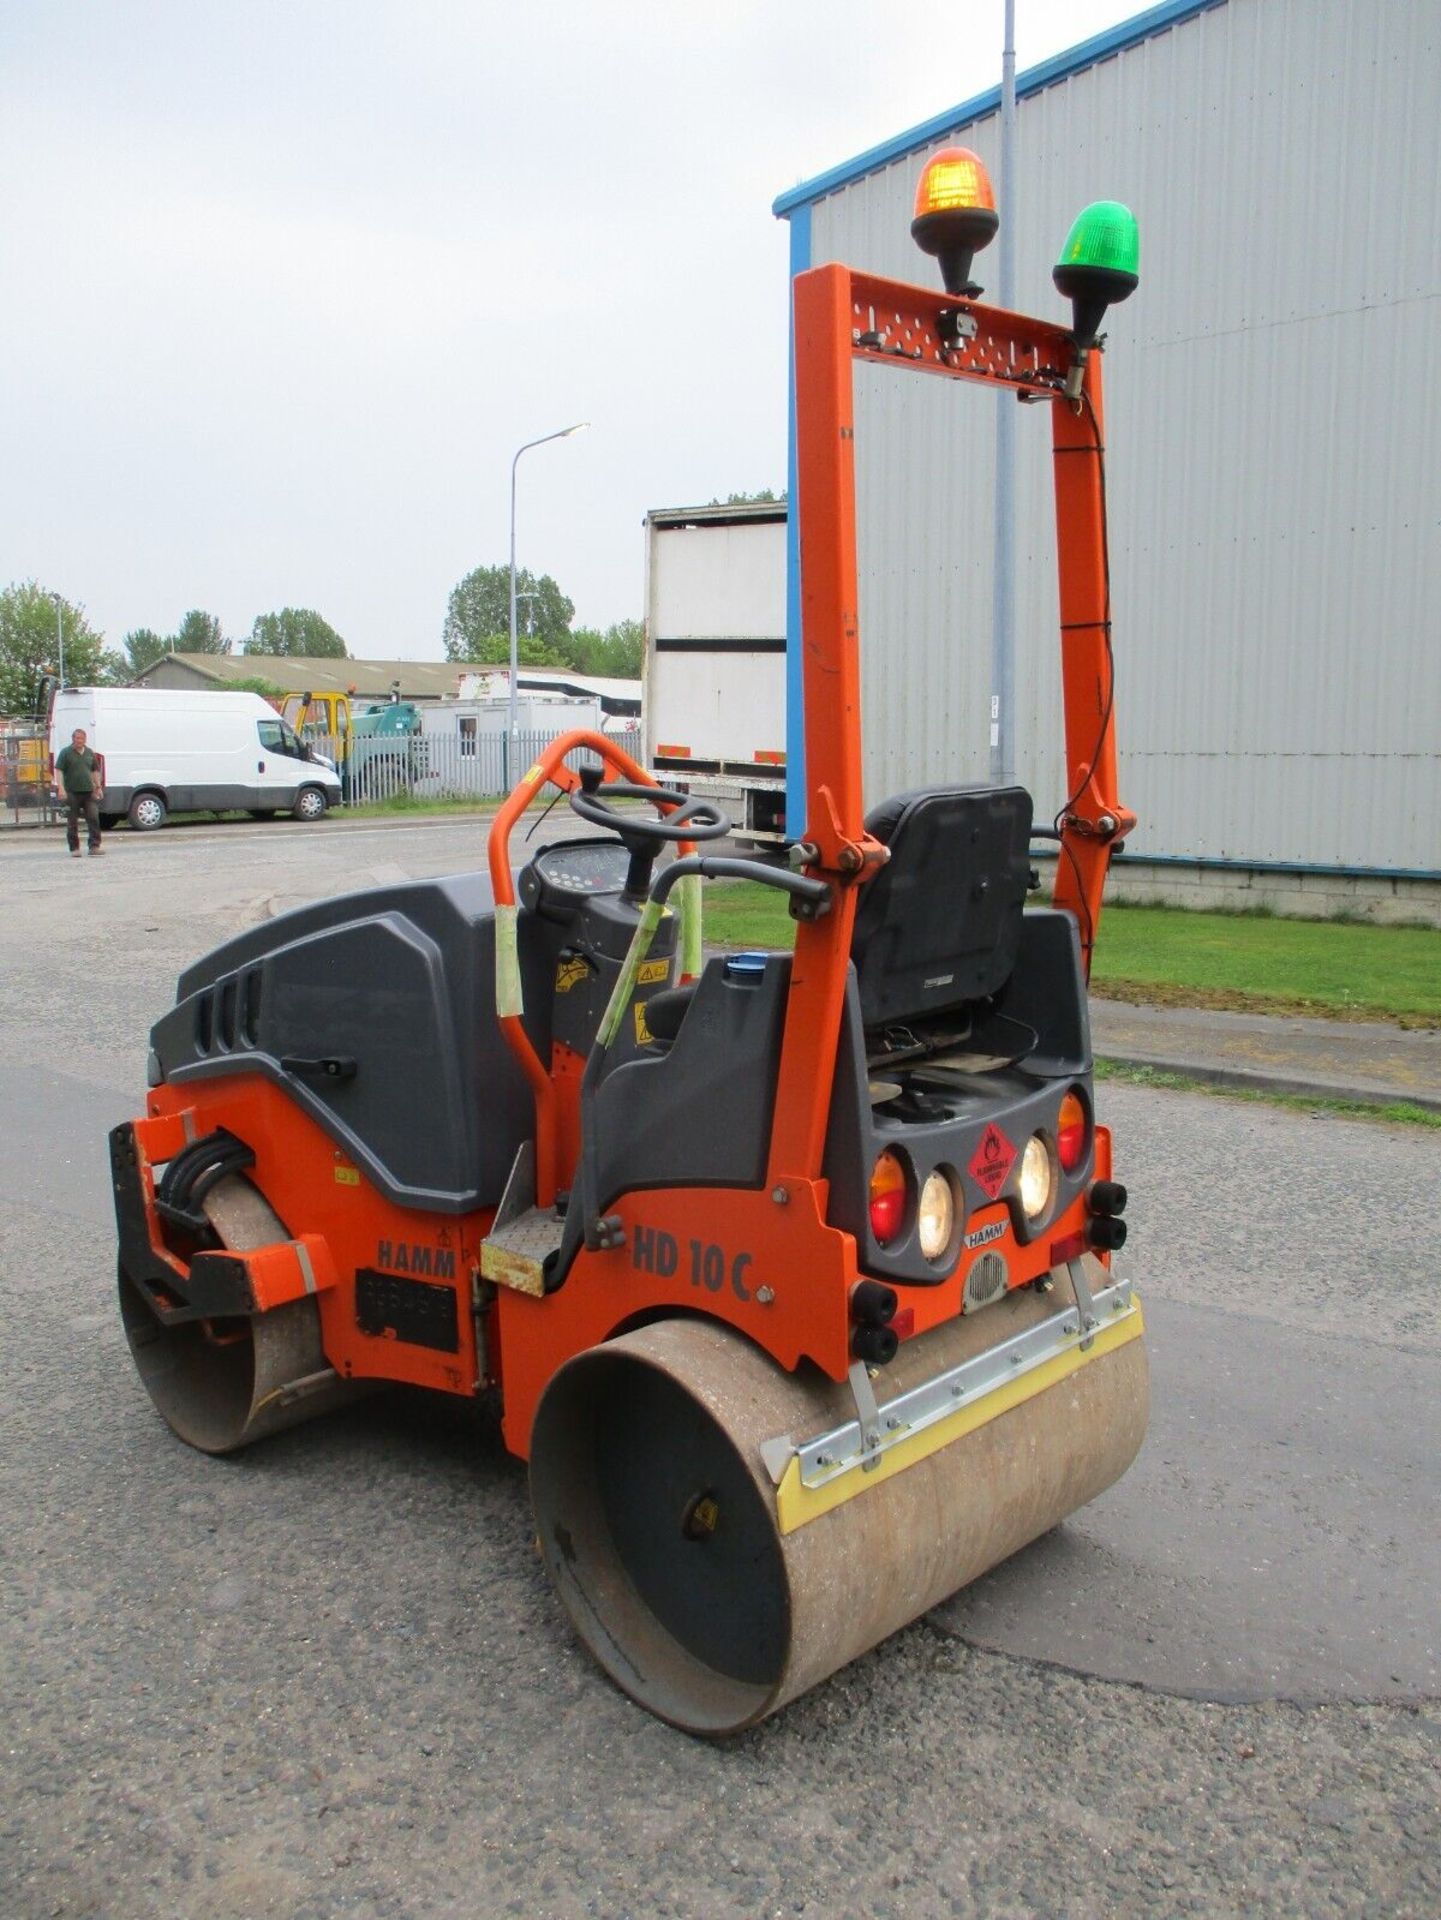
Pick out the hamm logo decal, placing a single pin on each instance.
(409, 1256)
(983, 1236)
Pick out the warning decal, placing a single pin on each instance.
(572, 972)
(992, 1161)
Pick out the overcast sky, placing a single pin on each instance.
(285, 286)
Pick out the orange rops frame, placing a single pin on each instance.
(842, 317)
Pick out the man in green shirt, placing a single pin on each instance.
(78, 777)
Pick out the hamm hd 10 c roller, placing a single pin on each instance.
(792, 1271)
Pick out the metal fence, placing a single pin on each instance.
(445, 766)
(25, 784)
(434, 766)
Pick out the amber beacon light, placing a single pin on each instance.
(955, 215)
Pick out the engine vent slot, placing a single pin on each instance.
(250, 1010)
(226, 1002)
(415, 1311)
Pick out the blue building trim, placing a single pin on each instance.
(1089, 53)
(795, 706)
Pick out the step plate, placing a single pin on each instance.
(515, 1257)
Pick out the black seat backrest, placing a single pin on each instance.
(940, 924)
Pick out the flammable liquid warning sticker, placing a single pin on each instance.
(992, 1160)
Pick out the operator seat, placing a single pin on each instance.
(939, 926)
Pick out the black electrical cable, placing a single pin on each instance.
(1088, 926)
(1100, 453)
(545, 813)
(1088, 934)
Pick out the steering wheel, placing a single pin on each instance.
(693, 818)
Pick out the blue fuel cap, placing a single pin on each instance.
(745, 969)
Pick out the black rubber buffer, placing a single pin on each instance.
(1106, 1234)
(875, 1345)
(873, 1303)
(1107, 1197)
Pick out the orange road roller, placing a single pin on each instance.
(791, 1269)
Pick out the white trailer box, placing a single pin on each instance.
(172, 751)
(715, 658)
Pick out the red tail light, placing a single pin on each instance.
(888, 1197)
(1071, 1132)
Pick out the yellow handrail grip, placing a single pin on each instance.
(509, 999)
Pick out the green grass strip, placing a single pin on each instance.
(406, 803)
(1239, 962)
(1321, 966)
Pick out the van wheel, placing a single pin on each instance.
(310, 804)
(109, 822)
(147, 811)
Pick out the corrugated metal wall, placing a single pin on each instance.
(1272, 406)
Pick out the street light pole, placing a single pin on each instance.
(1003, 624)
(59, 638)
(513, 726)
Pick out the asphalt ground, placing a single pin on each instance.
(329, 1678)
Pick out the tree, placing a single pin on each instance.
(587, 650)
(750, 499)
(477, 619)
(494, 651)
(616, 654)
(296, 631)
(257, 683)
(200, 633)
(143, 646)
(29, 649)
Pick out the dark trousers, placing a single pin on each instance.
(75, 805)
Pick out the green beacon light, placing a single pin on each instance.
(1098, 267)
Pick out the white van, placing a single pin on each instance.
(172, 751)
